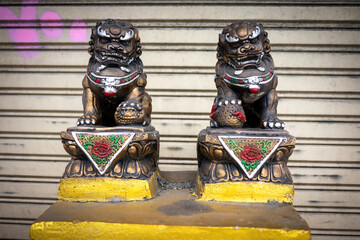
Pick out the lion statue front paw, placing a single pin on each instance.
(88, 119)
(273, 123)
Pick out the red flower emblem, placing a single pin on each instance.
(101, 149)
(251, 154)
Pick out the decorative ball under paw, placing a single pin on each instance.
(129, 113)
(229, 115)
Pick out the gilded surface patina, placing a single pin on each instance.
(245, 141)
(114, 85)
(245, 79)
(113, 137)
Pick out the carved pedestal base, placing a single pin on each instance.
(118, 152)
(246, 165)
(110, 163)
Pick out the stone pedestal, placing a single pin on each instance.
(245, 165)
(174, 214)
(110, 163)
(135, 158)
(103, 207)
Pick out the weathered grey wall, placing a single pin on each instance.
(316, 49)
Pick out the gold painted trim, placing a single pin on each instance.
(107, 189)
(251, 192)
(106, 230)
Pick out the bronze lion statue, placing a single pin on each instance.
(245, 79)
(114, 86)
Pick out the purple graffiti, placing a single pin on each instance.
(25, 29)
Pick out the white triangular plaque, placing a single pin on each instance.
(250, 153)
(102, 149)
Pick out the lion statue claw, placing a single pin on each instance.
(245, 79)
(88, 119)
(114, 86)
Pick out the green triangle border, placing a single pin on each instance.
(126, 143)
(238, 161)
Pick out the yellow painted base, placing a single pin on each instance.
(104, 231)
(107, 189)
(250, 192)
(173, 214)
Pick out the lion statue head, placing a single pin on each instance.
(114, 42)
(243, 45)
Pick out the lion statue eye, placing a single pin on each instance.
(254, 40)
(128, 35)
(235, 44)
(125, 43)
(231, 39)
(104, 40)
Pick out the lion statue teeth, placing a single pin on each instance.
(114, 86)
(245, 79)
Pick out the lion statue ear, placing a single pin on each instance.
(138, 50)
(220, 49)
(92, 40)
(267, 47)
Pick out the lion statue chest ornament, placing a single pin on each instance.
(114, 86)
(245, 79)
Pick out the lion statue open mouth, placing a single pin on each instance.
(114, 86)
(245, 79)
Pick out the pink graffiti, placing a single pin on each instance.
(24, 29)
(28, 34)
(78, 31)
(51, 23)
